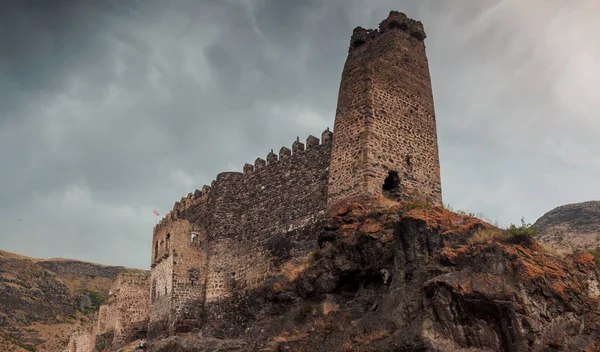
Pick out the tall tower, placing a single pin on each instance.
(385, 139)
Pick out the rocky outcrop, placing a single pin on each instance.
(391, 278)
(571, 227)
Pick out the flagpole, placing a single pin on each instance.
(155, 214)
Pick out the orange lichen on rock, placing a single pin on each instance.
(584, 260)
(371, 226)
(451, 223)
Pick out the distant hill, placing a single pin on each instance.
(42, 300)
(570, 227)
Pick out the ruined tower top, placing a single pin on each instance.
(385, 139)
(395, 20)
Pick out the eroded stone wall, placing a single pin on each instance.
(83, 340)
(132, 299)
(124, 318)
(385, 121)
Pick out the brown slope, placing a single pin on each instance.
(571, 227)
(42, 301)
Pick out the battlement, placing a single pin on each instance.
(396, 21)
(201, 196)
(298, 147)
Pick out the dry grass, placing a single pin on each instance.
(292, 269)
(378, 335)
(291, 336)
(487, 235)
(329, 307)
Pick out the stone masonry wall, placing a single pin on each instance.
(123, 319)
(132, 298)
(218, 239)
(385, 120)
(177, 279)
(82, 341)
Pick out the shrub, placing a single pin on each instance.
(417, 204)
(313, 256)
(329, 307)
(448, 207)
(596, 253)
(523, 234)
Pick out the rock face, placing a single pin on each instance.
(391, 278)
(42, 301)
(571, 227)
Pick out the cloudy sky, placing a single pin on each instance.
(110, 109)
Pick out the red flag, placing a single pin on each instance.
(156, 213)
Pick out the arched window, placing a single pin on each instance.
(167, 242)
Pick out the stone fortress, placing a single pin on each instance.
(228, 237)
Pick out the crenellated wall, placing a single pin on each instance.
(219, 239)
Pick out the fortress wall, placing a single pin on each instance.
(235, 264)
(122, 319)
(82, 341)
(161, 285)
(288, 190)
(178, 286)
(269, 200)
(107, 316)
(225, 202)
(132, 305)
(189, 272)
(193, 208)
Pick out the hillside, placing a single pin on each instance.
(43, 300)
(571, 227)
(410, 277)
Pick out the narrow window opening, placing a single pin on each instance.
(167, 242)
(155, 250)
(391, 185)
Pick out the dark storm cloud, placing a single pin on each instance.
(111, 109)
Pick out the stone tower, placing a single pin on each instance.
(385, 139)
